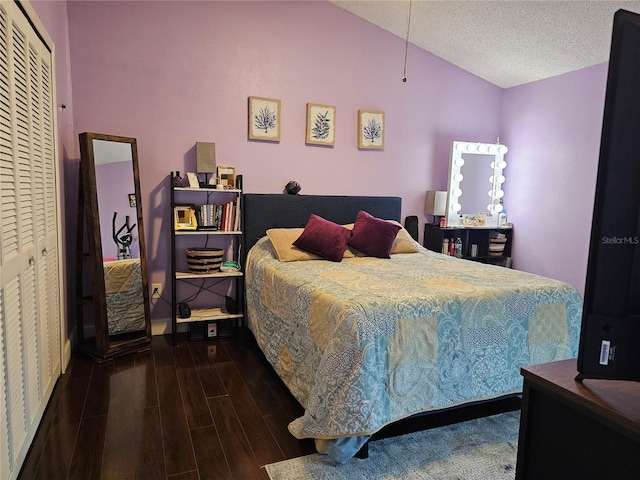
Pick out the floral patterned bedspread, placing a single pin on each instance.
(125, 298)
(368, 341)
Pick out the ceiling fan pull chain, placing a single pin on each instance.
(406, 46)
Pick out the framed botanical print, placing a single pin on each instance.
(264, 119)
(321, 124)
(370, 129)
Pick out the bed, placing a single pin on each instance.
(125, 302)
(365, 342)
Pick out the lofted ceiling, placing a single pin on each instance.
(506, 42)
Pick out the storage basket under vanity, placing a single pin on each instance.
(497, 244)
(204, 260)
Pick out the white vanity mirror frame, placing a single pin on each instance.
(495, 180)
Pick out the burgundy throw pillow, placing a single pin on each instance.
(373, 236)
(324, 238)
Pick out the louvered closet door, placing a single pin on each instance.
(29, 270)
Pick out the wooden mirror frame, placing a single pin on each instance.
(92, 294)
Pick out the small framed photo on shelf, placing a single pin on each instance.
(264, 119)
(192, 178)
(132, 200)
(370, 129)
(321, 124)
(226, 175)
(184, 217)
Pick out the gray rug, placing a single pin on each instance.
(482, 449)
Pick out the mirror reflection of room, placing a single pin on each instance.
(118, 232)
(475, 185)
(114, 183)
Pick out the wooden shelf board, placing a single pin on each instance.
(208, 314)
(205, 231)
(191, 275)
(206, 189)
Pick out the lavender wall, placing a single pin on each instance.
(552, 128)
(173, 73)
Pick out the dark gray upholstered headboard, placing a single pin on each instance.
(262, 211)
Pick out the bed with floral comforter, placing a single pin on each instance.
(367, 341)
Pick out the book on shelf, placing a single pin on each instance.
(229, 219)
(206, 216)
(224, 217)
(236, 225)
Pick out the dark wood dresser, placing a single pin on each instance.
(574, 430)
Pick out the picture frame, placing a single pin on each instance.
(226, 176)
(132, 200)
(184, 217)
(264, 119)
(193, 180)
(321, 124)
(371, 129)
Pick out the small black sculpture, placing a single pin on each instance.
(123, 240)
(293, 187)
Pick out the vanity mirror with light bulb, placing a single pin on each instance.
(474, 212)
(476, 178)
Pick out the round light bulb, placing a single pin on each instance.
(502, 149)
(499, 193)
(493, 149)
(459, 162)
(498, 208)
(502, 164)
(491, 179)
(500, 179)
(490, 207)
(459, 146)
(482, 148)
(457, 207)
(471, 147)
(457, 192)
(492, 165)
(490, 193)
(458, 177)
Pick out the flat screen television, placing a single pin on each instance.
(610, 331)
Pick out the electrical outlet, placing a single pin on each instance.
(212, 330)
(156, 290)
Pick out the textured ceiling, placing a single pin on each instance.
(507, 43)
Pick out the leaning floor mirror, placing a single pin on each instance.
(112, 293)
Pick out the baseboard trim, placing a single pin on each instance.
(163, 327)
(158, 327)
(66, 354)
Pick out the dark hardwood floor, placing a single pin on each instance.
(201, 410)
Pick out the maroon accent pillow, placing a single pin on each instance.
(324, 238)
(373, 236)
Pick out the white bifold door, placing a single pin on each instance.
(30, 280)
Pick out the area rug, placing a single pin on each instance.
(481, 449)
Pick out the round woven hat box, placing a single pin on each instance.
(204, 260)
